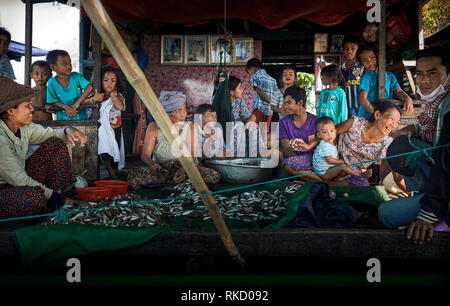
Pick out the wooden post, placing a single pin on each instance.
(420, 41)
(136, 77)
(97, 74)
(28, 40)
(382, 51)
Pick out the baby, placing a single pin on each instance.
(326, 154)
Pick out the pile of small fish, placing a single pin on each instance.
(119, 211)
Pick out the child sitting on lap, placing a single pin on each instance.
(326, 155)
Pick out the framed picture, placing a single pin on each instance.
(336, 43)
(172, 49)
(320, 42)
(320, 61)
(242, 50)
(217, 49)
(196, 50)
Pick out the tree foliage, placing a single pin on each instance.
(436, 16)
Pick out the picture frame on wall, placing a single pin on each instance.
(215, 48)
(172, 49)
(196, 50)
(242, 50)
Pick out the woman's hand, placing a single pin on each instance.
(74, 135)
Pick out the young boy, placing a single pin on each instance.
(209, 138)
(265, 90)
(368, 88)
(352, 71)
(326, 155)
(40, 73)
(5, 65)
(67, 89)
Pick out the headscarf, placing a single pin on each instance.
(172, 100)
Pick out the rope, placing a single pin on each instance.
(61, 214)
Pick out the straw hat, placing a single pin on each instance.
(12, 93)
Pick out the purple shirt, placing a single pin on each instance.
(307, 132)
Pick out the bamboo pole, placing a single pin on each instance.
(136, 77)
(382, 52)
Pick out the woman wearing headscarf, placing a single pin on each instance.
(162, 165)
(32, 185)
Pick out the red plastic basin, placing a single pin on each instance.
(118, 187)
(94, 193)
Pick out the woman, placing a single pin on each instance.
(165, 167)
(364, 139)
(31, 185)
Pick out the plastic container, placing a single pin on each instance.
(118, 187)
(94, 193)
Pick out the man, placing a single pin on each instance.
(432, 69)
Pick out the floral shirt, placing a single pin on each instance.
(353, 150)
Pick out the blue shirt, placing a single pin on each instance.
(352, 78)
(68, 96)
(369, 83)
(320, 164)
(6, 69)
(333, 104)
(269, 86)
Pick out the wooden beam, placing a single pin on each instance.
(137, 79)
(28, 40)
(382, 51)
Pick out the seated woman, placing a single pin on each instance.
(166, 167)
(362, 140)
(33, 185)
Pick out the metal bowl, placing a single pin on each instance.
(242, 170)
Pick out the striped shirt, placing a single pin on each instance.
(352, 77)
(268, 85)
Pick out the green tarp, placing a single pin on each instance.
(51, 244)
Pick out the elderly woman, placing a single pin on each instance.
(164, 166)
(31, 185)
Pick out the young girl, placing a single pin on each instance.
(368, 87)
(110, 137)
(288, 76)
(41, 73)
(333, 102)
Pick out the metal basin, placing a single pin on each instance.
(242, 170)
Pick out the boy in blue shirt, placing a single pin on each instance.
(68, 90)
(368, 87)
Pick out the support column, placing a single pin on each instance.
(382, 51)
(28, 40)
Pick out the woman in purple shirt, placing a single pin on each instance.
(298, 125)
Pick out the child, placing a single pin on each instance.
(352, 71)
(368, 88)
(326, 154)
(265, 90)
(238, 106)
(68, 90)
(40, 73)
(288, 76)
(209, 139)
(110, 137)
(5, 65)
(333, 102)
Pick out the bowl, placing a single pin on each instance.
(118, 187)
(243, 170)
(94, 193)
